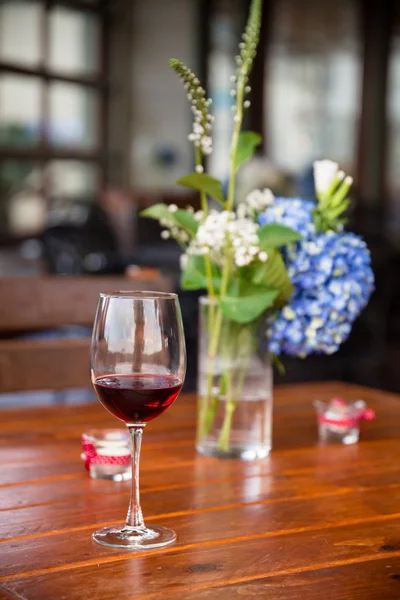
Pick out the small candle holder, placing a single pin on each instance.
(339, 421)
(107, 454)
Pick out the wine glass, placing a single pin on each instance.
(138, 364)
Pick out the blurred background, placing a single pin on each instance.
(94, 125)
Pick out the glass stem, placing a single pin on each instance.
(135, 517)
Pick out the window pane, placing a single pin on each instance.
(74, 41)
(20, 110)
(20, 26)
(71, 179)
(22, 207)
(313, 87)
(73, 116)
(226, 26)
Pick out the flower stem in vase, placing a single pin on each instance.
(224, 437)
(243, 343)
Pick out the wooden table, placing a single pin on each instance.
(307, 523)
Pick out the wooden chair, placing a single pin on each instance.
(35, 304)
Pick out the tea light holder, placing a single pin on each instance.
(339, 421)
(107, 454)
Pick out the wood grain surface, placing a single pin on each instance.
(308, 522)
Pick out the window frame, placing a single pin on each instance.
(44, 152)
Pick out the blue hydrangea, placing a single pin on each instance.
(291, 212)
(332, 278)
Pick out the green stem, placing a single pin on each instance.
(218, 320)
(209, 404)
(223, 440)
(209, 275)
(232, 400)
(241, 84)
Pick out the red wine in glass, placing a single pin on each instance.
(137, 398)
(138, 365)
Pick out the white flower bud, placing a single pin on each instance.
(247, 89)
(165, 234)
(172, 208)
(198, 129)
(247, 103)
(263, 256)
(199, 169)
(325, 172)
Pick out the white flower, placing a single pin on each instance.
(223, 232)
(165, 234)
(263, 256)
(198, 128)
(325, 172)
(172, 208)
(199, 169)
(206, 145)
(257, 201)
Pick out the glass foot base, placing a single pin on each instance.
(133, 538)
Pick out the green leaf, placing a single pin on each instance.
(186, 220)
(181, 217)
(194, 275)
(157, 211)
(274, 235)
(248, 142)
(245, 309)
(204, 183)
(274, 274)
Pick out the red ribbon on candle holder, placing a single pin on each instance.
(89, 455)
(364, 415)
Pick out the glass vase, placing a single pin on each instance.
(234, 417)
